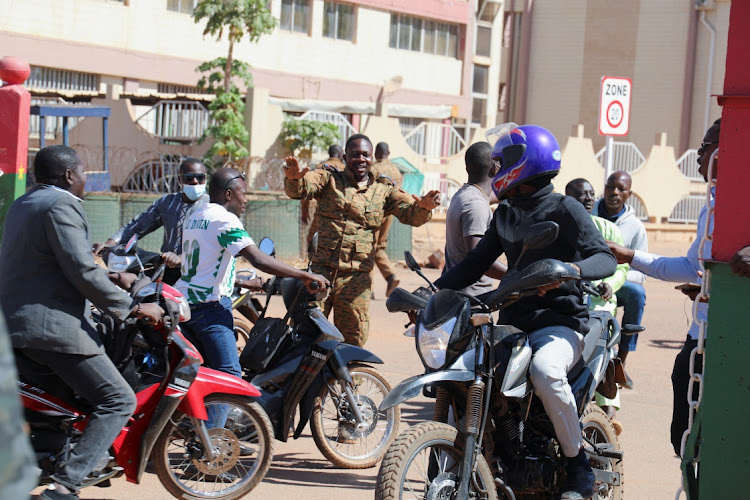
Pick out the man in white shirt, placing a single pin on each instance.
(211, 238)
(682, 269)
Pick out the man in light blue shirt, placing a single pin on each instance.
(682, 269)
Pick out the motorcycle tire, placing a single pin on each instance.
(242, 465)
(341, 442)
(598, 428)
(404, 463)
(242, 327)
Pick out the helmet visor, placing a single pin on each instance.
(499, 138)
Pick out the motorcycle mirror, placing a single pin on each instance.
(313, 246)
(540, 235)
(131, 243)
(411, 262)
(267, 247)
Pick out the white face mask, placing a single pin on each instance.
(194, 191)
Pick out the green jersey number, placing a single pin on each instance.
(192, 251)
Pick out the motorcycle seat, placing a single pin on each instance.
(41, 377)
(597, 331)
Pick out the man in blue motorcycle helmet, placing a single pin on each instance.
(556, 318)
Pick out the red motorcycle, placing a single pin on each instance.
(224, 458)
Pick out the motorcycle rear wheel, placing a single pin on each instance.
(337, 438)
(245, 441)
(242, 327)
(408, 470)
(598, 428)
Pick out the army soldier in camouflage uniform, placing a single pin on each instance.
(384, 168)
(307, 206)
(351, 208)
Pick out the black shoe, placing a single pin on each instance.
(247, 451)
(579, 484)
(53, 494)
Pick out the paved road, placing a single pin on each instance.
(651, 469)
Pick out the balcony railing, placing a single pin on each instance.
(176, 121)
(688, 165)
(435, 141)
(625, 156)
(688, 209)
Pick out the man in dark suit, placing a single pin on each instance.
(49, 276)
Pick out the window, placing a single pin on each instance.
(484, 37)
(421, 35)
(480, 79)
(183, 6)
(338, 21)
(295, 16)
(479, 95)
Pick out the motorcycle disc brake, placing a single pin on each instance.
(226, 449)
(369, 410)
(442, 487)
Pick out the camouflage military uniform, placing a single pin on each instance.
(348, 216)
(385, 168)
(307, 206)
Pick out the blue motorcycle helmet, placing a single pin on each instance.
(525, 153)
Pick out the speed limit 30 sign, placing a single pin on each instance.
(614, 106)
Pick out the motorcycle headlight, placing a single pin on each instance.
(432, 344)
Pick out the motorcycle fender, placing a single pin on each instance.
(412, 386)
(209, 382)
(350, 353)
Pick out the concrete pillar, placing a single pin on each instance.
(14, 131)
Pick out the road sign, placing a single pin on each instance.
(614, 107)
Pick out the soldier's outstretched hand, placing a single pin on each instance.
(429, 201)
(292, 170)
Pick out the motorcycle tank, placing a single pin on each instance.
(518, 355)
(444, 306)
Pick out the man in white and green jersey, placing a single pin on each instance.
(211, 238)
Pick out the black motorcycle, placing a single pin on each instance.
(490, 435)
(304, 369)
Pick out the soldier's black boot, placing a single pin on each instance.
(579, 484)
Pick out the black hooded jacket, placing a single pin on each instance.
(579, 242)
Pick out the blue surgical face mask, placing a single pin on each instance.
(194, 191)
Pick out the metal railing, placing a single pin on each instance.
(53, 125)
(447, 187)
(638, 206)
(155, 176)
(625, 156)
(688, 209)
(688, 165)
(435, 141)
(346, 129)
(46, 79)
(179, 121)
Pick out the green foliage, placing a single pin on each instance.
(301, 136)
(237, 19)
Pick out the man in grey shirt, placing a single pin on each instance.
(169, 211)
(469, 215)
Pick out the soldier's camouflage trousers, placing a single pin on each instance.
(350, 300)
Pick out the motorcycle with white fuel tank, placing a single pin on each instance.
(502, 444)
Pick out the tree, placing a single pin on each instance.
(301, 136)
(237, 19)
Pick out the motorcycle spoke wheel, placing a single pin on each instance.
(423, 463)
(244, 447)
(597, 428)
(337, 435)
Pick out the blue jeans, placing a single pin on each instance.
(632, 298)
(97, 380)
(211, 327)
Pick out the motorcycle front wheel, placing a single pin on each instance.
(598, 428)
(335, 431)
(424, 462)
(242, 327)
(241, 434)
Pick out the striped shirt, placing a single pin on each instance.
(169, 211)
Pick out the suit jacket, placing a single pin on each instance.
(49, 275)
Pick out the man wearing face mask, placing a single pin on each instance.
(169, 211)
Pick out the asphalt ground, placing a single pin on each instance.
(652, 471)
